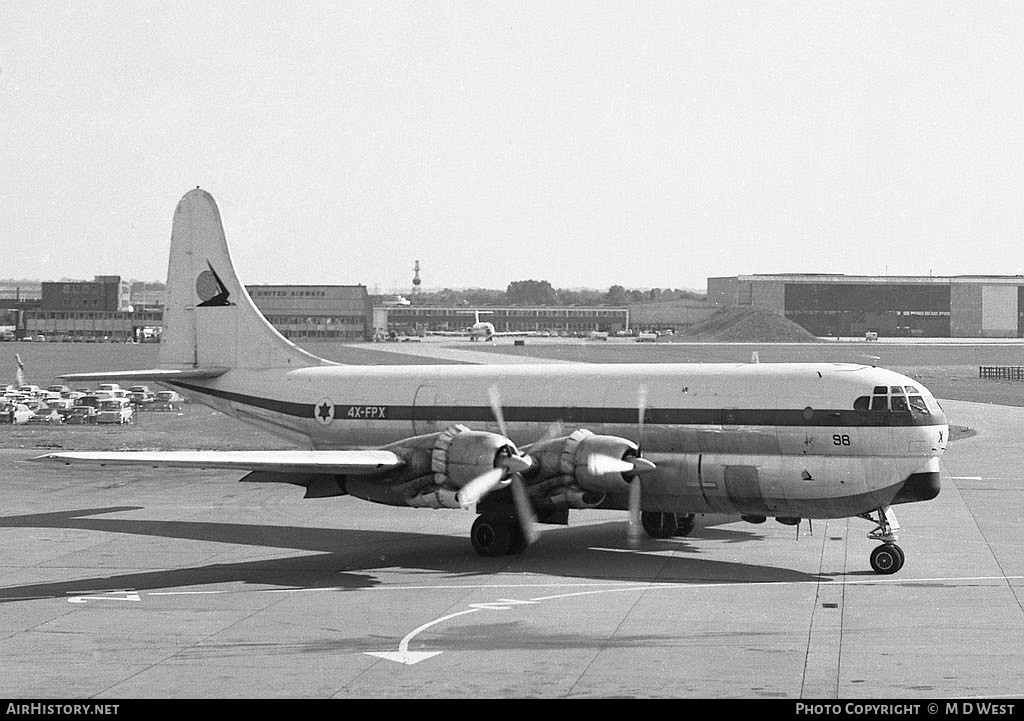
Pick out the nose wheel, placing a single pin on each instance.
(887, 558)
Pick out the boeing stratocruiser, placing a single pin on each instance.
(522, 445)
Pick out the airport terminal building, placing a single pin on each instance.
(914, 306)
(567, 320)
(319, 312)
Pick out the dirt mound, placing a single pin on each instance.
(747, 324)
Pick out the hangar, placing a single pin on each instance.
(852, 305)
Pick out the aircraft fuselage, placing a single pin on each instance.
(782, 440)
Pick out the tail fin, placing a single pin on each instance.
(209, 319)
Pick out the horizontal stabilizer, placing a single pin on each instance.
(152, 374)
(353, 462)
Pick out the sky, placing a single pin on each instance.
(644, 144)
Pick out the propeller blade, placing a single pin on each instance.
(513, 465)
(499, 415)
(641, 403)
(524, 510)
(634, 529)
(480, 486)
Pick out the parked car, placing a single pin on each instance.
(141, 399)
(89, 400)
(46, 414)
(63, 406)
(82, 415)
(115, 410)
(167, 401)
(15, 413)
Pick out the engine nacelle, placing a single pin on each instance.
(570, 459)
(461, 454)
(436, 466)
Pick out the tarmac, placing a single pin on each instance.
(119, 585)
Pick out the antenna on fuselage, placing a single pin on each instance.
(873, 358)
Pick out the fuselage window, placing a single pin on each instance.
(862, 403)
(879, 403)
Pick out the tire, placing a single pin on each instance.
(887, 559)
(659, 525)
(491, 536)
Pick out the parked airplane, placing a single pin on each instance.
(481, 329)
(484, 330)
(667, 442)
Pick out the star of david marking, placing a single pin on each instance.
(323, 411)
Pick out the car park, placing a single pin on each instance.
(115, 410)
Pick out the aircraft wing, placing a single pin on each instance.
(368, 462)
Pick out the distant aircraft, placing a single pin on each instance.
(396, 300)
(481, 329)
(666, 442)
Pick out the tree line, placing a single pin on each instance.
(541, 292)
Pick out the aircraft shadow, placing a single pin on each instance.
(348, 559)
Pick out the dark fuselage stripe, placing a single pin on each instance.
(594, 415)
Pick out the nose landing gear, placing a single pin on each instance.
(887, 558)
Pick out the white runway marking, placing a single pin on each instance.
(106, 596)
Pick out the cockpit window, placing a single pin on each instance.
(862, 404)
(880, 403)
(897, 389)
(899, 403)
(912, 389)
(880, 390)
(917, 404)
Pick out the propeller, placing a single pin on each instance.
(516, 466)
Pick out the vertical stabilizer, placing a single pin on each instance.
(209, 318)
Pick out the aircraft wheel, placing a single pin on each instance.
(887, 558)
(659, 525)
(491, 536)
(686, 524)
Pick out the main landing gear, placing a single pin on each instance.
(497, 534)
(666, 525)
(887, 558)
